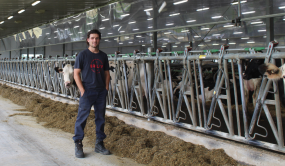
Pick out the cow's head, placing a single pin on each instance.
(272, 71)
(67, 72)
(252, 69)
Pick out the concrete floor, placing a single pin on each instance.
(24, 142)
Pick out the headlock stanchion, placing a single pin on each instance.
(177, 93)
(262, 103)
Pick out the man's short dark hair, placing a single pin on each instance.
(93, 31)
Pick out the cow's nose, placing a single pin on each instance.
(67, 84)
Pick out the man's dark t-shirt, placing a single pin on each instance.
(93, 67)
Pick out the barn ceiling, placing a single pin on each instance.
(45, 11)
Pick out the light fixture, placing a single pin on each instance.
(65, 29)
(228, 26)
(130, 42)
(235, 3)
(21, 11)
(167, 32)
(251, 42)
(224, 39)
(47, 33)
(79, 32)
(124, 15)
(174, 46)
(116, 25)
(76, 26)
(122, 31)
(105, 19)
(143, 45)
(121, 43)
(35, 3)
(1, 22)
(185, 31)
(148, 9)
(256, 22)
(102, 28)
(149, 27)
(179, 2)
(164, 43)
(250, 12)
(202, 9)
(132, 22)
(177, 43)
(232, 43)
(284, 19)
(138, 36)
(282, 7)
(165, 39)
(149, 18)
(215, 44)
(264, 36)
(110, 33)
(106, 40)
(78, 19)
(10, 17)
(48, 38)
(191, 21)
(126, 37)
(55, 31)
(244, 38)
(136, 29)
(262, 30)
(205, 28)
(169, 24)
(174, 14)
(215, 17)
(197, 36)
(163, 46)
(216, 34)
(71, 34)
(238, 33)
(200, 45)
(55, 37)
(180, 38)
(207, 40)
(90, 23)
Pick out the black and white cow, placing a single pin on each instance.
(258, 69)
(67, 72)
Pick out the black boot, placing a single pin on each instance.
(79, 149)
(100, 148)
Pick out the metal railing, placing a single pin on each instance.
(137, 88)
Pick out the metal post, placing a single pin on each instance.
(244, 110)
(269, 22)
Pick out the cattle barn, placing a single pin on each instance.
(187, 82)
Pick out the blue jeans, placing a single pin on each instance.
(97, 98)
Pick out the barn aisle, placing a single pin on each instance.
(25, 142)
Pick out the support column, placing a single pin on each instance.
(34, 52)
(44, 52)
(269, 22)
(10, 55)
(28, 54)
(63, 50)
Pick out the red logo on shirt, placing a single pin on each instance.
(96, 65)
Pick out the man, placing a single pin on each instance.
(94, 66)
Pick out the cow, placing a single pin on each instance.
(252, 79)
(67, 72)
(258, 69)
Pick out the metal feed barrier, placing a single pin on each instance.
(148, 91)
